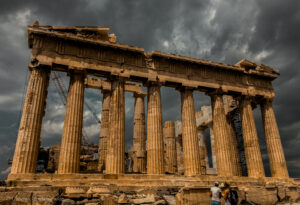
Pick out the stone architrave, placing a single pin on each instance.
(155, 143)
(274, 147)
(221, 133)
(28, 142)
(139, 135)
(191, 152)
(72, 132)
(254, 161)
(115, 155)
(104, 130)
(170, 148)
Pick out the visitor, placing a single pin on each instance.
(216, 194)
(230, 195)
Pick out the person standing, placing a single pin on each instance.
(230, 195)
(216, 194)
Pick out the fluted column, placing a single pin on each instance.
(213, 146)
(104, 130)
(115, 155)
(274, 147)
(155, 143)
(69, 161)
(179, 154)
(202, 150)
(189, 134)
(235, 153)
(170, 149)
(254, 161)
(28, 142)
(223, 144)
(139, 141)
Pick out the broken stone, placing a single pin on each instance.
(123, 199)
(170, 199)
(160, 202)
(75, 190)
(7, 197)
(148, 199)
(67, 202)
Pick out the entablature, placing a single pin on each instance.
(63, 48)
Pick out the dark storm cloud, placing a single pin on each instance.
(225, 31)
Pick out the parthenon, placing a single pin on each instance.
(173, 154)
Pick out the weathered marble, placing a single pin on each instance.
(221, 133)
(155, 143)
(104, 130)
(274, 147)
(28, 141)
(72, 131)
(115, 155)
(139, 135)
(191, 157)
(170, 147)
(254, 161)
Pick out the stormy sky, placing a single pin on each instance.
(224, 31)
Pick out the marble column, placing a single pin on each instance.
(115, 155)
(170, 149)
(179, 154)
(274, 147)
(202, 150)
(104, 130)
(235, 153)
(254, 161)
(189, 134)
(155, 143)
(139, 135)
(213, 146)
(28, 141)
(69, 161)
(222, 143)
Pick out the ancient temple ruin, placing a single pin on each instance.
(170, 160)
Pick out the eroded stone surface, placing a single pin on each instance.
(82, 51)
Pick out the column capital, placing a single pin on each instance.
(76, 71)
(116, 77)
(184, 88)
(35, 65)
(215, 92)
(149, 83)
(139, 95)
(267, 100)
(251, 99)
(105, 91)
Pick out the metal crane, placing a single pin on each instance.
(61, 89)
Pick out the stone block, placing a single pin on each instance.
(123, 199)
(75, 190)
(109, 200)
(159, 202)
(171, 200)
(262, 195)
(23, 198)
(67, 202)
(100, 190)
(7, 197)
(146, 191)
(148, 199)
(44, 197)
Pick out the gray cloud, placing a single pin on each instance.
(223, 31)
